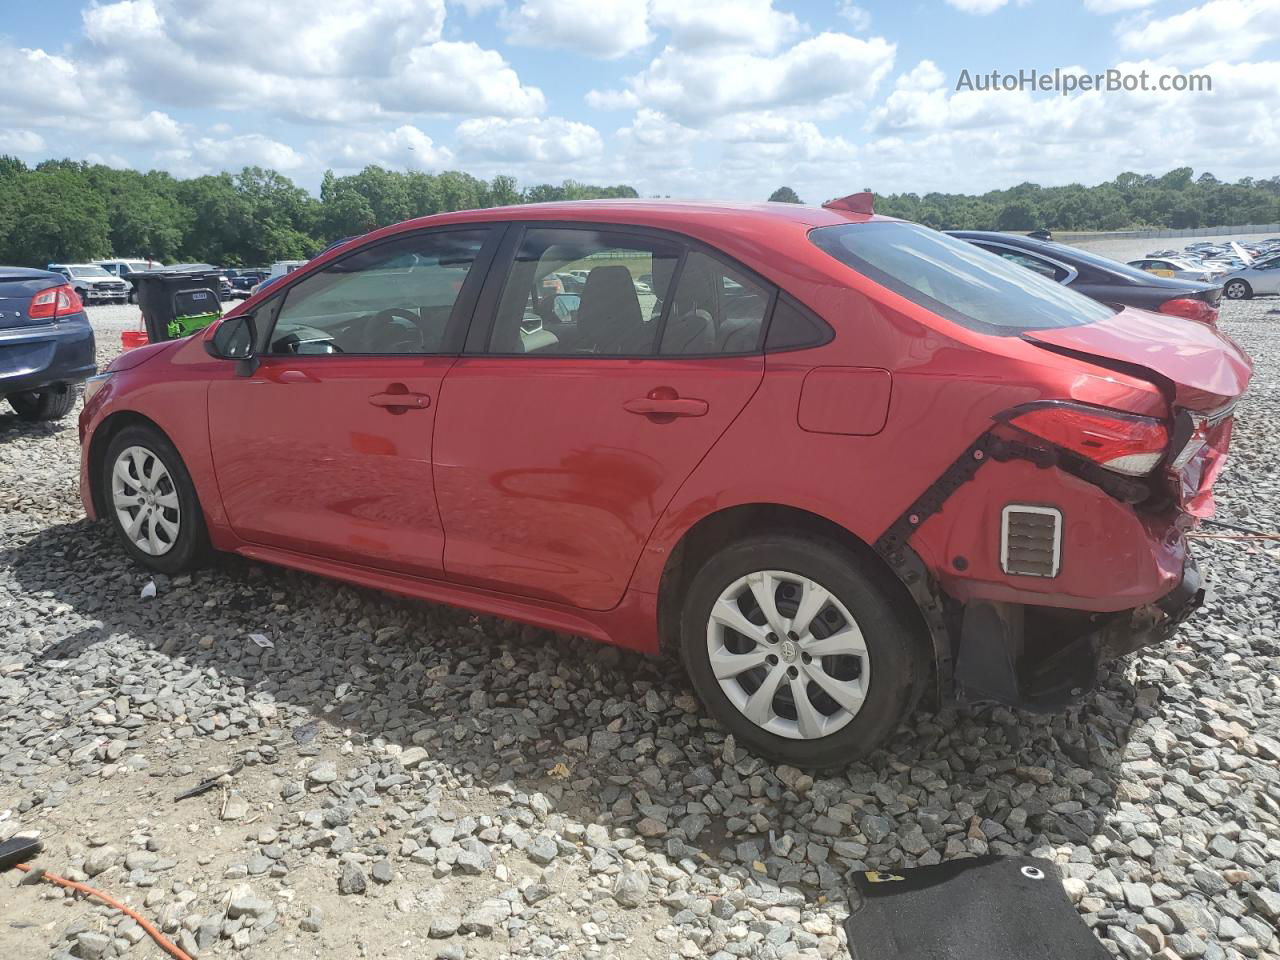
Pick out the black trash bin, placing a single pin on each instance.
(176, 303)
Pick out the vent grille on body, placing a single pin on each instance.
(1030, 540)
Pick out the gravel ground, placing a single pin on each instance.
(418, 781)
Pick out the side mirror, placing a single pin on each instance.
(233, 339)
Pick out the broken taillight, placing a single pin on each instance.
(1125, 443)
(1190, 308)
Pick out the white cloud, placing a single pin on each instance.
(979, 7)
(859, 18)
(549, 140)
(741, 24)
(211, 155)
(474, 7)
(405, 147)
(1219, 29)
(1115, 6)
(342, 61)
(21, 142)
(826, 74)
(607, 30)
(448, 77)
(335, 38)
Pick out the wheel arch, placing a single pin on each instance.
(102, 437)
(724, 526)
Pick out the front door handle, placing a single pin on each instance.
(659, 405)
(396, 402)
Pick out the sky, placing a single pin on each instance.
(724, 99)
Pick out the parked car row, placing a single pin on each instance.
(1242, 269)
(830, 458)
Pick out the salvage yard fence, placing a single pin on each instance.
(1070, 236)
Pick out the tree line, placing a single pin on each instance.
(70, 211)
(1177, 200)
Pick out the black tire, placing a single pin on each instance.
(1245, 292)
(896, 653)
(190, 548)
(50, 403)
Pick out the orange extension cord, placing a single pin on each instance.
(164, 943)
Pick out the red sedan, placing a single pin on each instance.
(833, 459)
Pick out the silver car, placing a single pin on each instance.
(1258, 278)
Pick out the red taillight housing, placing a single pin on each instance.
(55, 302)
(1190, 308)
(1122, 442)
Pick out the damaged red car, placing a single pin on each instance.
(833, 460)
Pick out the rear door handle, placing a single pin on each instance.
(667, 407)
(402, 401)
(294, 376)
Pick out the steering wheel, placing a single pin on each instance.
(385, 333)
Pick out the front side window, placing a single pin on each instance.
(584, 292)
(1042, 267)
(715, 308)
(393, 298)
(956, 279)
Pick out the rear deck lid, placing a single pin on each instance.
(17, 286)
(1201, 366)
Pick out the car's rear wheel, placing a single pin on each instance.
(152, 502)
(798, 652)
(51, 403)
(1237, 290)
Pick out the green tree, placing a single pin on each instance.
(784, 195)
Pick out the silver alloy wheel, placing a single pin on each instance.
(788, 654)
(146, 501)
(1235, 290)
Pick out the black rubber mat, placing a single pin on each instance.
(990, 908)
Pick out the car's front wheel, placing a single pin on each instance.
(152, 502)
(51, 403)
(798, 652)
(1237, 290)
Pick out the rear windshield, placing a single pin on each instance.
(1115, 267)
(955, 279)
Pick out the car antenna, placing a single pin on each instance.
(863, 202)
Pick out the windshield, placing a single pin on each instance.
(88, 272)
(1101, 262)
(955, 279)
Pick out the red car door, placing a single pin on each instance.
(558, 449)
(326, 448)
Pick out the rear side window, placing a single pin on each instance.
(715, 309)
(955, 279)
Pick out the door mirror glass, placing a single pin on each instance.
(234, 339)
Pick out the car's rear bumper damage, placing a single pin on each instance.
(1036, 642)
(1038, 658)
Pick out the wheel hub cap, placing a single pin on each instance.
(146, 501)
(788, 654)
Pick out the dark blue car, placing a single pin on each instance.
(46, 343)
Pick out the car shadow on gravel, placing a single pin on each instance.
(614, 738)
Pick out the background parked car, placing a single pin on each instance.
(1177, 268)
(46, 343)
(1102, 278)
(92, 283)
(244, 279)
(1259, 277)
(122, 267)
